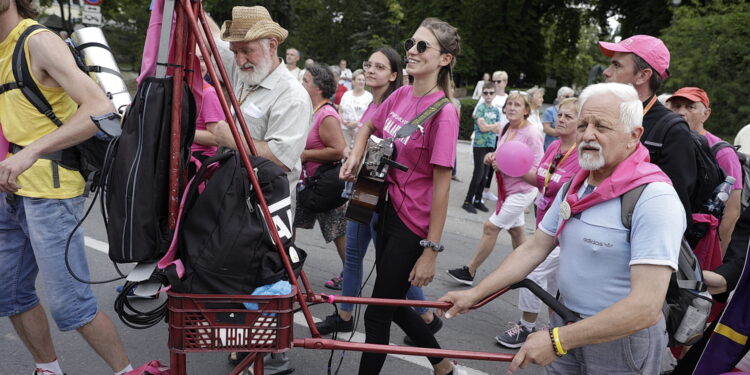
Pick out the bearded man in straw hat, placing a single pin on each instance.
(276, 107)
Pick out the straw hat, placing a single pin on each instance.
(250, 23)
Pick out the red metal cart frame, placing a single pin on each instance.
(193, 327)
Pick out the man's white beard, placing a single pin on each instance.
(259, 73)
(587, 161)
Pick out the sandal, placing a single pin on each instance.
(334, 283)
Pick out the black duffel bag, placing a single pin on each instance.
(322, 192)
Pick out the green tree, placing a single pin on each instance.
(709, 49)
(126, 30)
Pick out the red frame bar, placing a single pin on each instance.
(176, 118)
(328, 344)
(328, 298)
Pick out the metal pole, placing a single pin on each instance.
(177, 84)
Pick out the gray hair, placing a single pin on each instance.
(565, 90)
(631, 108)
(335, 70)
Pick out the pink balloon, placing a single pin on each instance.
(3, 144)
(514, 158)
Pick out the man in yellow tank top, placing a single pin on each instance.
(37, 211)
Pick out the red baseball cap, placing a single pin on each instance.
(694, 94)
(650, 49)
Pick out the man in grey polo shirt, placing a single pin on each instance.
(617, 280)
(275, 105)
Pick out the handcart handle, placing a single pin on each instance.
(566, 314)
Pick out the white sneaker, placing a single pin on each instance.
(489, 196)
(457, 370)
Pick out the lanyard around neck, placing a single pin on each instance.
(551, 170)
(649, 105)
(320, 106)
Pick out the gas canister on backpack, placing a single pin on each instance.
(222, 240)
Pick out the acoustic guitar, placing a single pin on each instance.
(366, 192)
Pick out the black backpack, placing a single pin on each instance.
(744, 163)
(222, 238)
(135, 183)
(685, 285)
(86, 157)
(708, 174)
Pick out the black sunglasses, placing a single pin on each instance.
(488, 93)
(421, 45)
(555, 161)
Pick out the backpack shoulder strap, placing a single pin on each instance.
(655, 140)
(22, 75)
(718, 146)
(627, 206)
(565, 187)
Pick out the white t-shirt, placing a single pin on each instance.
(595, 256)
(352, 106)
(536, 120)
(743, 139)
(346, 78)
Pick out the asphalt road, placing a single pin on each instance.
(474, 331)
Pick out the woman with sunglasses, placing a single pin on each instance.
(515, 194)
(412, 218)
(382, 76)
(559, 164)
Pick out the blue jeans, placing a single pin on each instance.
(33, 233)
(358, 238)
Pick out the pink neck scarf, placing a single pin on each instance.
(632, 172)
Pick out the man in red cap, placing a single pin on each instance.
(692, 104)
(643, 62)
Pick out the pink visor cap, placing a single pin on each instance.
(650, 49)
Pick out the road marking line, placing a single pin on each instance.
(97, 245)
(360, 337)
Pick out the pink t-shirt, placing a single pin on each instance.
(210, 112)
(313, 138)
(566, 168)
(371, 109)
(728, 161)
(411, 191)
(530, 136)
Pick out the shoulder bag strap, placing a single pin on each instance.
(409, 129)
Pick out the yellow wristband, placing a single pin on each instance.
(556, 339)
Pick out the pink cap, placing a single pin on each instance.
(650, 49)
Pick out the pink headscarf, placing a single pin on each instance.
(632, 172)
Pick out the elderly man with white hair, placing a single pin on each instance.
(615, 280)
(276, 107)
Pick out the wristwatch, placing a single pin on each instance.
(434, 246)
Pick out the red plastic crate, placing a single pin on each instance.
(217, 323)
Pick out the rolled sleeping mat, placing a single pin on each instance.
(101, 65)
